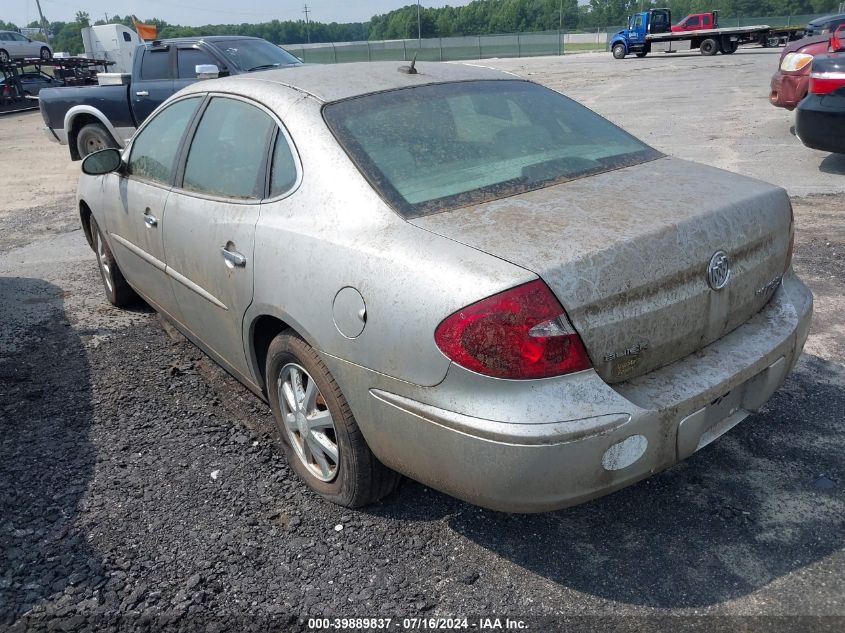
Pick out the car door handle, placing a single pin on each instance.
(143, 93)
(233, 258)
(150, 220)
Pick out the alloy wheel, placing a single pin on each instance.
(103, 260)
(308, 422)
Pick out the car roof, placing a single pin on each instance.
(826, 19)
(334, 82)
(204, 38)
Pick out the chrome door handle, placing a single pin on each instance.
(233, 258)
(142, 93)
(150, 220)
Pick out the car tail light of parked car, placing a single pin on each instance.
(824, 83)
(520, 333)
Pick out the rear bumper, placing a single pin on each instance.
(820, 122)
(787, 91)
(533, 446)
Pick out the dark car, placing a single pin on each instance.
(825, 25)
(820, 118)
(32, 82)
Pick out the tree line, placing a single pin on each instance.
(479, 17)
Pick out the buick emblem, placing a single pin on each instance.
(719, 270)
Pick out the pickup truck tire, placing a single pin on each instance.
(46, 55)
(92, 138)
(4, 56)
(118, 291)
(709, 47)
(619, 51)
(357, 477)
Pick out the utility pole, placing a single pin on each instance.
(44, 26)
(107, 17)
(307, 24)
(419, 26)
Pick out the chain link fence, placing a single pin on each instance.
(444, 49)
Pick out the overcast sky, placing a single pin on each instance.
(199, 12)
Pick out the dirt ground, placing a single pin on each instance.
(109, 430)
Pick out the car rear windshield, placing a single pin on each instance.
(433, 148)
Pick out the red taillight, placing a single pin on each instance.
(520, 333)
(825, 83)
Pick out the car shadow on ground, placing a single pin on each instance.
(763, 501)
(46, 459)
(833, 164)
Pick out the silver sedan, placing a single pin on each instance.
(453, 274)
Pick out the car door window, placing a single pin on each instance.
(19, 38)
(188, 59)
(229, 151)
(283, 170)
(155, 147)
(693, 21)
(156, 64)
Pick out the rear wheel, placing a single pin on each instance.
(729, 46)
(619, 51)
(45, 53)
(92, 138)
(642, 53)
(317, 430)
(118, 291)
(709, 47)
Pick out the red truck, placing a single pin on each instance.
(697, 21)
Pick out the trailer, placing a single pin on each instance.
(651, 31)
(69, 71)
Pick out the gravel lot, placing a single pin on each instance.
(139, 487)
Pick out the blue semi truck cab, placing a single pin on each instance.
(652, 31)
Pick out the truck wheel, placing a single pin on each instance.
(709, 47)
(46, 55)
(4, 57)
(729, 46)
(92, 138)
(619, 51)
(642, 53)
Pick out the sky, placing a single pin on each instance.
(199, 12)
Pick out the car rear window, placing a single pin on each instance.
(433, 148)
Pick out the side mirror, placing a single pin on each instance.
(103, 162)
(207, 71)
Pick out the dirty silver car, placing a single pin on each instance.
(454, 274)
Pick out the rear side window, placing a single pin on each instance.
(155, 147)
(188, 59)
(156, 64)
(228, 156)
(283, 174)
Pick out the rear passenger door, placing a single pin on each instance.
(212, 215)
(153, 83)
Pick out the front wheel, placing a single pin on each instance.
(619, 51)
(118, 291)
(46, 55)
(92, 138)
(317, 430)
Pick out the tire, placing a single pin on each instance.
(642, 53)
(4, 57)
(92, 138)
(45, 54)
(709, 47)
(356, 478)
(619, 51)
(729, 46)
(118, 291)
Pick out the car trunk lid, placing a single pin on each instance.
(627, 254)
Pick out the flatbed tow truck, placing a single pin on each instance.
(651, 31)
(72, 71)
